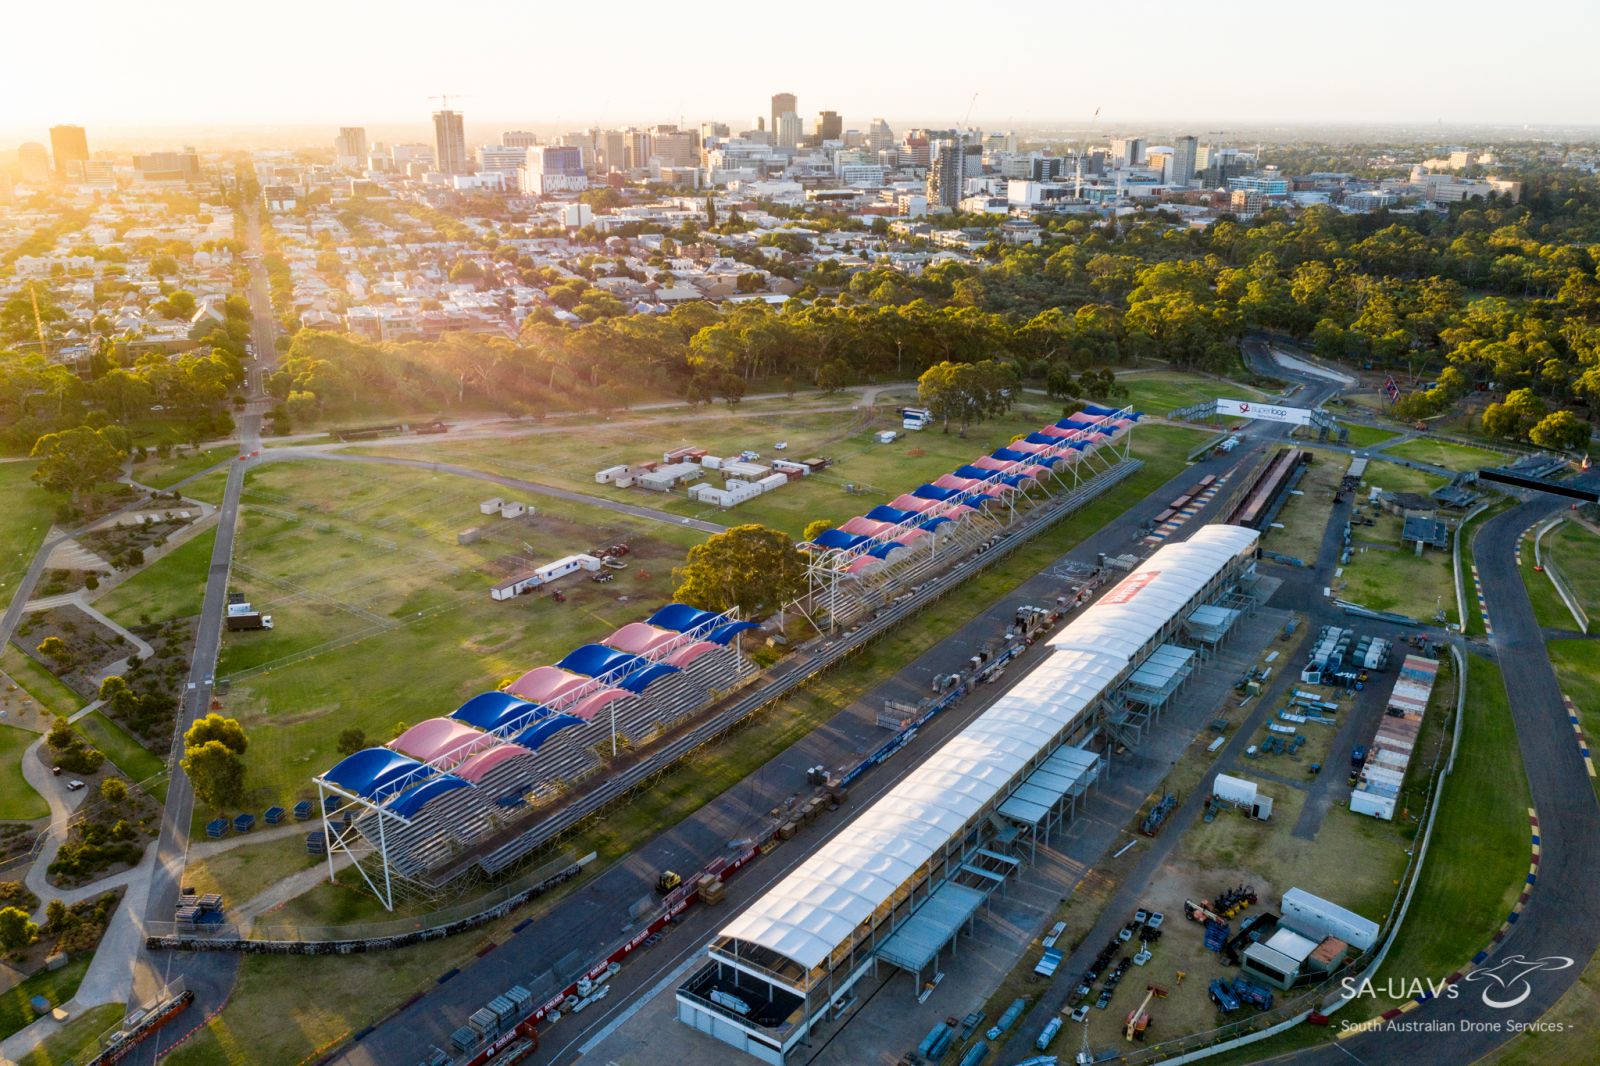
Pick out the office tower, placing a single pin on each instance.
(830, 127)
(674, 147)
(553, 168)
(782, 104)
(70, 146)
(406, 154)
(790, 129)
(168, 166)
(945, 172)
(1128, 151)
(450, 143)
(1184, 150)
(33, 163)
(710, 131)
(350, 147)
(610, 150)
(917, 150)
(500, 157)
(639, 147)
(518, 139)
(880, 138)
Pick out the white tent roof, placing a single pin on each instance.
(818, 907)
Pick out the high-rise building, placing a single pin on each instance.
(350, 147)
(830, 127)
(1128, 151)
(1184, 151)
(553, 168)
(611, 150)
(674, 147)
(782, 104)
(168, 166)
(880, 138)
(33, 163)
(790, 129)
(70, 146)
(946, 177)
(450, 143)
(518, 139)
(917, 150)
(501, 158)
(406, 154)
(710, 131)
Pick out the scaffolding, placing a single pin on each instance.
(401, 853)
(847, 580)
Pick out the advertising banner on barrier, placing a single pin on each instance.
(1295, 416)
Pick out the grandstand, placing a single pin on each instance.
(865, 562)
(910, 871)
(450, 795)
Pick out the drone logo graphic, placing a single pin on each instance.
(1512, 976)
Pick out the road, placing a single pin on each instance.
(1562, 917)
(211, 977)
(582, 926)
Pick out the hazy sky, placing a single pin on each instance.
(109, 63)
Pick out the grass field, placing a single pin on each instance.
(1387, 576)
(283, 1009)
(18, 801)
(1477, 860)
(1577, 664)
(1366, 436)
(57, 986)
(864, 473)
(25, 515)
(1549, 609)
(171, 587)
(78, 1040)
(128, 755)
(1305, 517)
(1157, 392)
(1444, 453)
(241, 873)
(209, 488)
(380, 616)
(162, 473)
(1576, 550)
(38, 682)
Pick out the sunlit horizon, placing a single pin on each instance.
(116, 69)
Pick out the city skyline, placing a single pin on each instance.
(1188, 71)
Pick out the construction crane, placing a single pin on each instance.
(444, 99)
(1139, 1017)
(968, 116)
(1083, 147)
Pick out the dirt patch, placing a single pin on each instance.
(86, 646)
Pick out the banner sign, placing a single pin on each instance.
(1295, 416)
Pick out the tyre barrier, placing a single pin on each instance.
(246, 946)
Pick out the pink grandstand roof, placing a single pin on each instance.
(477, 767)
(544, 683)
(909, 502)
(437, 740)
(865, 562)
(593, 703)
(639, 638)
(1056, 431)
(865, 527)
(684, 656)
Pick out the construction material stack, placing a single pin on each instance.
(1381, 773)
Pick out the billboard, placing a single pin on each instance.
(1295, 416)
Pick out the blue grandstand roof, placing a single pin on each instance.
(413, 800)
(536, 735)
(980, 474)
(725, 632)
(837, 538)
(376, 772)
(490, 711)
(614, 667)
(639, 680)
(882, 550)
(933, 492)
(935, 522)
(1010, 455)
(680, 616)
(884, 513)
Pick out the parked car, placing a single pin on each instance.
(74, 785)
(1222, 996)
